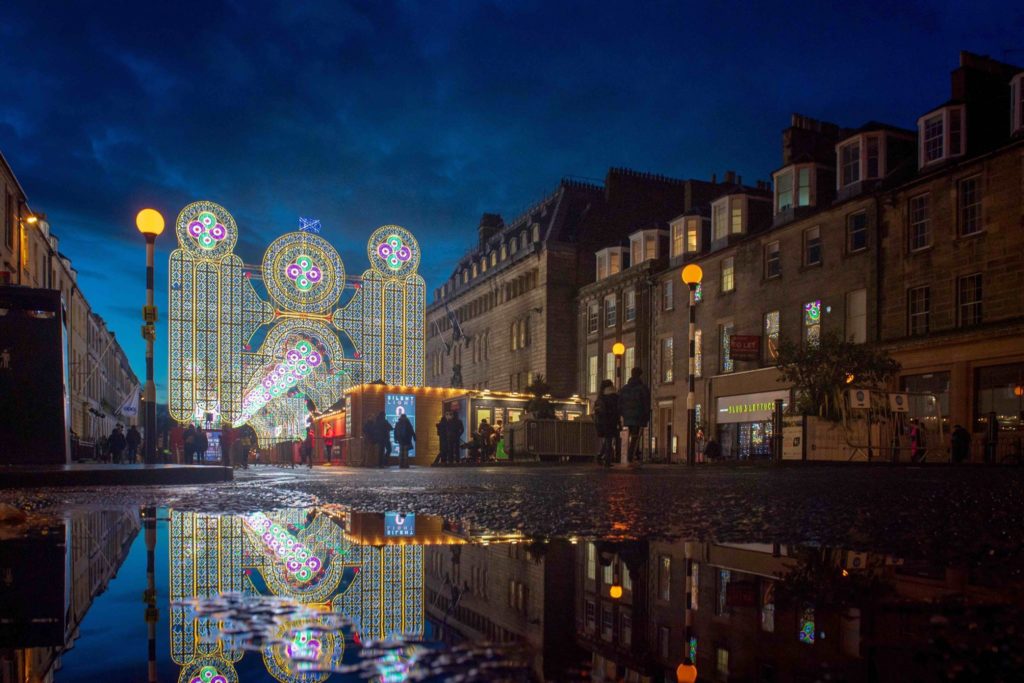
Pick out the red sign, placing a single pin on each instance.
(741, 594)
(745, 347)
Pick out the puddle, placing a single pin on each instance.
(328, 593)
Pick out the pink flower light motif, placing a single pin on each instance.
(394, 252)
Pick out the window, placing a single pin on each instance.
(857, 316)
(722, 662)
(592, 318)
(609, 366)
(698, 356)
(465, 276)
(607, 626)
(807, 628)
(771, 336)
(694, 586)
(849, 164)
(592, 375)
(614, 262)
(667, 295)
(969, 205)
(737, 217)
(918, 310)
(857, 231)
(591, 616)
(692, 230)
(630, 305)
(721, 587)
(803, 189)
(610, 311)
(475, 271)
(678, 238)
(666, 360)
(725, 332)
(513, 245)
(483, 264)
(767, 605)
(635, 252)
(664, 578)
(664, 641)
(941, 135)
(784, 191)
(504, 251)
(650, 247)
(718, 220)
(494, 258)
(591, 561)
(998, 389)
(728, 275)
(812, 247)
(536, 232)
(1017, 103)
(626, 629)
(812, 322)
(968, 300)
(630, 358)
(919, 230)
(9, 219)
(602, 266)
(772, 262)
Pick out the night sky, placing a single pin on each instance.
(425, 114)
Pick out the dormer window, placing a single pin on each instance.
(729, 216)
(794, 186)
(685, 235)
(1017, 103)
(643, 246)
(609, 262)
(941, 135)
(860, 158)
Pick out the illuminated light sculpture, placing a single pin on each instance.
(229, 347)
(208, 670)
(302, 565)
(304, 652)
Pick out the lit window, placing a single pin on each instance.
(593, 311)
(721, 589)
(857, 231)
(849, 164)
(678, 235)
(803, 194)
(504, 251)
(692, 230)
(666, 360)
(591, 561)
(592, 375)
(725, 332)
(919, 230)
(857, 316)
(610, 311)
(513, 245)
(718, 220)
(694, 588)
(602, 266)
(728, 275)
(969, 300)
(812, 322)
(771, 336)
(807, 628)
(969, 205)
(494, 258)
(722, 662)
(614, 262)
(918, 309)
(772, 261)
(737, 217)
(630, 358)
(609, 366)
(650, 247)
(784, 191)
(812, 246)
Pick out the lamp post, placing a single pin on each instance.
(618, 349)
(150, 224)
(691, 275)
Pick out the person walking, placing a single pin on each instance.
(484, 433)
(307, 449)
(635, 403)
(405, 435)
(455, 431)
(961, 445)
(189, 441)
(202, 443)
(712, 451)
(116, 443)
(382, 431)
(133, 440)
(328, 441)
(442, 439)
(239, 451)
(607, 417)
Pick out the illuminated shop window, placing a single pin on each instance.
(812, 321)
(771, 336)
(806, 634)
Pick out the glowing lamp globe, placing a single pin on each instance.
(849, 378)
(692, 274)
(618, 348)
(1018, 390)
(150, 222)
(686, 673)
(615, 592)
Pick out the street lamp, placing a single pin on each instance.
(686, 672)
(150, 224)
(615, 591)
(692, 275)
(618, 348)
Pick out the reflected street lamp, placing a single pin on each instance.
(150, 224)
(692, 275)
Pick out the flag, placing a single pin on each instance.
(456, 327)
(130, 407)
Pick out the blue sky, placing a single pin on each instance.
(426, 114)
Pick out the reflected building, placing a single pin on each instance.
(48, 581)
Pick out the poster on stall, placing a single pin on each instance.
(396, 405)
(399, 524)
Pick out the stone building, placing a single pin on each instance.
(951, 257)
(99, 375)
(507, 314)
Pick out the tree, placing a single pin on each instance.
(821, 372)
(539, 406)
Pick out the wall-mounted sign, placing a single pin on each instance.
(860, 398)
(749, 407)
(899, 403)
(745, 347)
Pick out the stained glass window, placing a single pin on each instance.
(812, 321)
(771, 336)
(807, 626)
(725, 332)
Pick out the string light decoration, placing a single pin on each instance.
(230, 348)
(304, 651)
(208, 670)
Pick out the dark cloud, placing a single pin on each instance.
(426, 114)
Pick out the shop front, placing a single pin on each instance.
(744, 424)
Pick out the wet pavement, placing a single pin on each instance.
(558, 573)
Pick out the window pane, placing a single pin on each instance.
(691, 239)
(969, 299)
(784, 191)
(677, 240)
(918, 309)
(728, 275)
(857, 316)
(857, 231)
(812, 247)
(933, 138)
(872, 157)
(920, 223)
(969, 198)
(666, 360)
(849, 159)
(804, 188)
(718, 221)
(771, 336)
(999, 389)
(737, 219)
(772, 262)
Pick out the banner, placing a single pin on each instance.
(130, 407)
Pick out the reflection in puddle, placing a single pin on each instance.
(327, 593)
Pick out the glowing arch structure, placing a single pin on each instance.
(245, 357)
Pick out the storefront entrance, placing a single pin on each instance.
(746, 440)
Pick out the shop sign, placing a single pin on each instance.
(792, 437)
(749, 407)
(745, 347)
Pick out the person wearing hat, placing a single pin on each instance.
(607, 418)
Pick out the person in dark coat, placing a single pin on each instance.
(190, 444)
(712, 451)
(133, 439)
(442, 438)
(202, 443)
(607, 418)
(306, 450)
(405, 435)
(961, 444)
(116, 443)
(382, 432)
(455, 431)
(635, 403)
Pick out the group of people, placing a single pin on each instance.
(449, 433)
(195, 445)
(378, 432)
(630, 408)
(121, 446)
